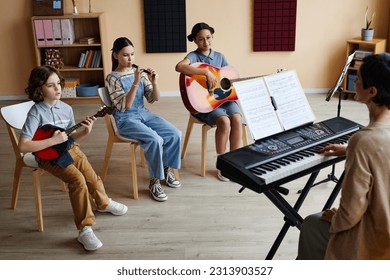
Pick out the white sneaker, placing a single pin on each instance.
(222, 178)
(115, 208)
(89, 239)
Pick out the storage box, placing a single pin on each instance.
(69, 89)
(87, 90)
(351, 82)
(48, 7)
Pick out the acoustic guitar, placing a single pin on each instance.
(47, 130)
(199, 98)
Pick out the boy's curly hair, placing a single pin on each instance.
(37, 79)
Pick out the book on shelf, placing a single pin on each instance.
(88, 60)
(81, 60)
(94, 60)
(87, 40)
(273, 103)
(98, 59)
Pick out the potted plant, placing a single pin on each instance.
(368, 31)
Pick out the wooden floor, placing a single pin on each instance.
(205, 219)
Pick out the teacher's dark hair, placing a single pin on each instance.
(375, 72)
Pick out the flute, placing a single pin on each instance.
(146, 71)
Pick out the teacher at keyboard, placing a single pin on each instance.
(360, 227)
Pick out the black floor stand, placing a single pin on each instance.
(331, 176)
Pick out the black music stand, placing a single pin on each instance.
(337, 88)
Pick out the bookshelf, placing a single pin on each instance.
(375, 46)
(84, 25)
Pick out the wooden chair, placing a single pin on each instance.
(14, 117)
(205, 128)
(115, 137)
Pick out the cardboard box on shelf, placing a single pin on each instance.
(69, 89)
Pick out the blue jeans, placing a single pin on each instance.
(226, 109)
(159, 138)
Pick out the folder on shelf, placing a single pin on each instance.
(57, 34)
(67, 30)
(39, 32)
(48, 31)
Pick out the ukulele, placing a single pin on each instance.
(199, 98)
(47, 130)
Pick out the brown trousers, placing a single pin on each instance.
(82, 182)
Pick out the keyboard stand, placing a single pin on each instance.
(292, 218)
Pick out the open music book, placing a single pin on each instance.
(273, 103)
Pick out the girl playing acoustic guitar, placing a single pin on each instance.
(227, 117)
(72, 167)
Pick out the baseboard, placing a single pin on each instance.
(164, 94)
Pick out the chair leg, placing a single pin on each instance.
(36, 173)
(177, 175)
(16, 184)
(205, 128)
(134, 169)
(244, 135)
(190, 125)
(107, 157)
(142, 155)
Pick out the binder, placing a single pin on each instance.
(39, 33)
(57, 34)
(67, 30)
(48, 31)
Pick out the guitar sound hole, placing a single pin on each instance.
(225, 84)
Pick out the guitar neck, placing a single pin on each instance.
(73, 128)
(246, 78)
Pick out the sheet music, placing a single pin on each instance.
(293, 108)
(342, 76)
(258, 111)
(263, 120)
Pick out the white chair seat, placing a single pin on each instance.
(30, 161)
